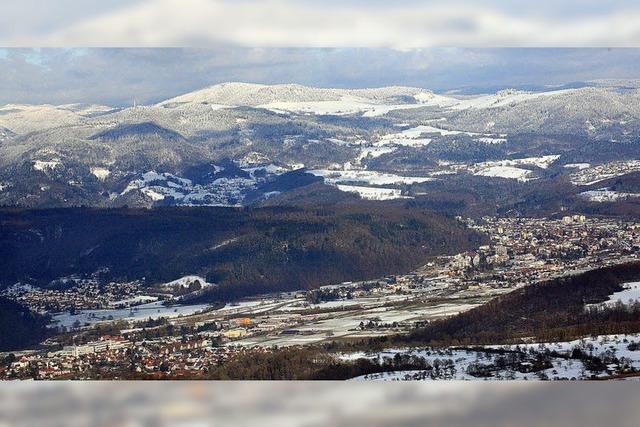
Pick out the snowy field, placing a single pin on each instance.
(366, 177)
(372, 193)
(509, 168)
(42, 165)
(222, 191)
(346, 105)
(542, 162)
(423, 135)
(454, 364)
(504, 98)
(185, 281)
(606, 195)
(508, 172)
(629, 295)
(153, 310)
(352, 102)
(359, 310)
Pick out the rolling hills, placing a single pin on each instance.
(377, 143)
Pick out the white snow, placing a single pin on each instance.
(542, 162)
(42, 165)
(343, 106)
(509, 168)
(152, 194)
(372, 193)
(366, 176)
(368, 102)
(134, 300)
(630, 293)
(418, 130)
(605, 195)
(504, 98)
(225, 191)
(153, 310)
(100, 173)
(578, 166)
(413, 137)
(492, 140)
(434, 100)
(21, 118)
(270, 194)
(373, 152)
(562, 367)
(409, 137)
(185, 281)
(269, 168)
(309, 100)
(508, 172)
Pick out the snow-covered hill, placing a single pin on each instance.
(23, 118)
(248, 94)
(5, 133)
(90, 154)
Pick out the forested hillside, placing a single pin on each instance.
(246, 251)
(19, 327)
(555, 310)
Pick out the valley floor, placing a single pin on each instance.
(154, 340)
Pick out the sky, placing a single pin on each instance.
(313, 23)
(114, 51)
(117, 76)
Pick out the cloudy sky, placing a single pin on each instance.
(117, 76)
(326, 23)
(161, 48)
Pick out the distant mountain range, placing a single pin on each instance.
(239, 144)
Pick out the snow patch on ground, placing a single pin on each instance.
(344, 106)
(223, 191)
(42, 165)
(455, 362)
(373, 152)
(605, 195)
(510, 168)
(542, 162)
(414, 136)
(153, 310)
(185, 282)
(100, 173)
(508, 172)
(492, 140)
(372, 193)
(139, 299)
(504, 98)
(366, 177)
(629, 295)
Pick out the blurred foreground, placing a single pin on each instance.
(315, 404)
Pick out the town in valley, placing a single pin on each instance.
(124, 330)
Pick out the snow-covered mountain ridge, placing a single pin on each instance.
(90, 154)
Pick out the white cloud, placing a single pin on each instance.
(289, 23)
